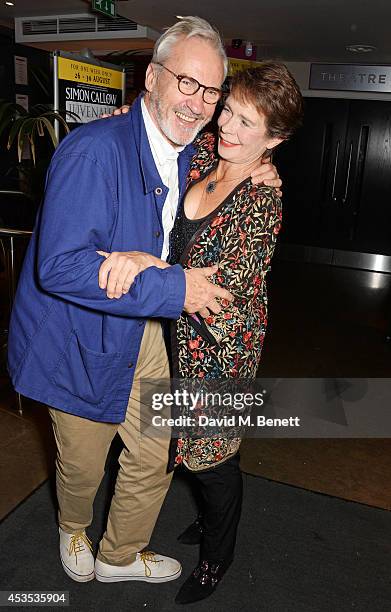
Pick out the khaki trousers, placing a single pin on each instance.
(142, 481)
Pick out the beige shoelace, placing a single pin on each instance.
(149, 556)
(78, 542)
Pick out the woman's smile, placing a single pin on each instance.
(226, 143)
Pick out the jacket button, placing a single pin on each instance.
(130, 365)
(157, 234)
(158, 191)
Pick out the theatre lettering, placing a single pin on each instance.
(351, 77)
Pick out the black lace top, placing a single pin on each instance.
(182, 232)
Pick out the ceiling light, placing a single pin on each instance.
(361, 48)
(9, 3)
(179, 16)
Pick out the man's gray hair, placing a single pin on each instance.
(187, 27)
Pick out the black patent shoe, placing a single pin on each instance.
(202, 582)
(193, 533)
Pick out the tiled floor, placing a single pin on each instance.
(354, 469)
(324, 321)
(27, 449)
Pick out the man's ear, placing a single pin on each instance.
(150, 78)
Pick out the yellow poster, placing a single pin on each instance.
(81, 72)
(87, 90)
(235, 65)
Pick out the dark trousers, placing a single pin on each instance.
(221, 492)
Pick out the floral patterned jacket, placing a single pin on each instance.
(240, 237)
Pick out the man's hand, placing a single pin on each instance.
(119, 270)
(267, 174)
(122, 110)
(201, 294)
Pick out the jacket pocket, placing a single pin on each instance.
(85, 373)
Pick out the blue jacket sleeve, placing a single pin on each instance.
(77, 219)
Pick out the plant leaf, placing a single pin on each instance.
(15, 127)
(49, 126)
(24, 136)
(40, 127)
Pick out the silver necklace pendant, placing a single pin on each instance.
(211, 186)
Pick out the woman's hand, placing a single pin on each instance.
(266, 174)
(119, 270)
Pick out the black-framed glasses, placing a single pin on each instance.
(189, 86)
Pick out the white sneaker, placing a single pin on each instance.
(76, 555)
(148, 566)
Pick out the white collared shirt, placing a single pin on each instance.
(165, 157)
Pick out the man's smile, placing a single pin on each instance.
(186, 118)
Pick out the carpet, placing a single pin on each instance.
(297, 551)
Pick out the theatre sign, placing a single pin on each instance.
(351, 77)
(86, 89)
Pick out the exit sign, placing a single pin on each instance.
(107, 7)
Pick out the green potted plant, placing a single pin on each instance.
(32, 134)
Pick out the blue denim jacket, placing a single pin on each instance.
(69, 345)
